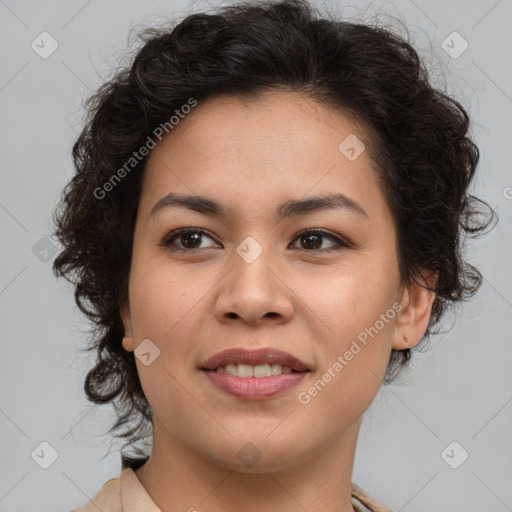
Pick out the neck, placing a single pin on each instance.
(177, 477)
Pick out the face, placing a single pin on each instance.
(316, 280)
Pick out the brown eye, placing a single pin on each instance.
(312, 240)
(186, 239)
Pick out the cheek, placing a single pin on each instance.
(167, 305)
(355, 322)
(348, 300)
(166, 300)
(352, 362)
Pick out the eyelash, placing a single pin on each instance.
(342, 244)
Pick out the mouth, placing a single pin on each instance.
(256, 374)
(260, 370)
(260, 362)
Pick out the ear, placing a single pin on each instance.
(128, 331)
(412, 321)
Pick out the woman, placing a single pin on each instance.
(266, 217)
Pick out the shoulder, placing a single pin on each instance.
(122, 494)
(107, 498)
(363, 502)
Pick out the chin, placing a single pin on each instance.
(255, 454)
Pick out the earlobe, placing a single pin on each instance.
(128, 344)
(128, 338)
(413, 319)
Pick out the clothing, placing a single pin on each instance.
(126, 494)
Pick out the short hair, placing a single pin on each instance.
(417, 137)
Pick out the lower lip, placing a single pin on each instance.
(254, 388)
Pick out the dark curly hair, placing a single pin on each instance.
(417, 134)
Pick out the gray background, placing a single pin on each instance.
(460, 389)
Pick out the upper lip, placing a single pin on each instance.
(254, 357)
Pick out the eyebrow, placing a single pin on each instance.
(290, 208)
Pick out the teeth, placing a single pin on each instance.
(232, 369)
(260, 370)
(245, 370)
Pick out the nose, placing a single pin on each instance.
(254, 293)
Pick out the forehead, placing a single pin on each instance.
(266, 148)
(279, 118)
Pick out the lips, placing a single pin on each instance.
(254, 358)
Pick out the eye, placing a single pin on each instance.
(188, 238)
(312, 239)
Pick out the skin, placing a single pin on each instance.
(249, 155)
